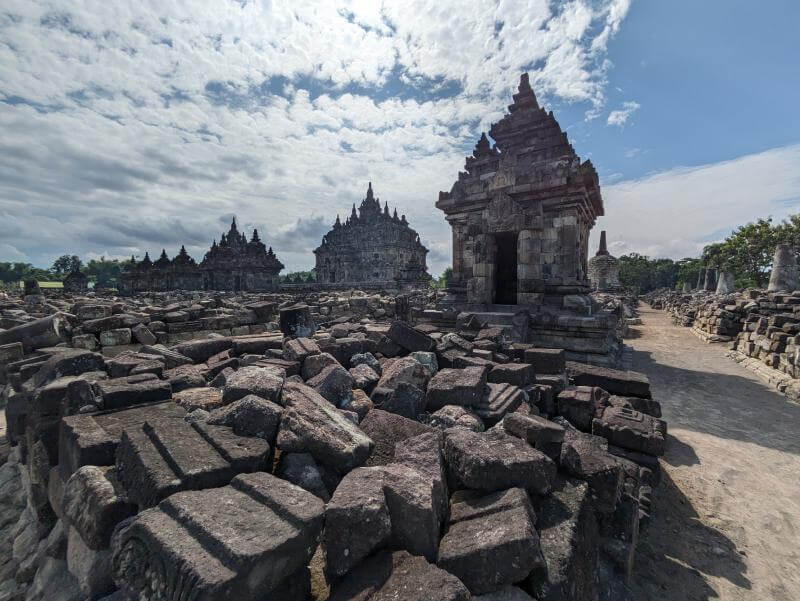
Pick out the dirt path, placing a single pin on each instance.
(726, 521)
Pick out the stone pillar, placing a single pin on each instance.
(710, 283)
(530, 284)
(457, 278)
(784, 270)
(480, 288)
(701, 279)
(726, 283)
(687, 287)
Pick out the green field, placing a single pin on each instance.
(46, 284)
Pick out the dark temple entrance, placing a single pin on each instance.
(505, 269)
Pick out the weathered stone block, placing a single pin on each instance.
(586, 457)
(386, 430)
(410, 339)
(311, 424)
(296, 322)
(236, 542)
(490, 461)
(578, 405)
(614, 381)
(260, 381)
(491, 541)
(406, 400)
(456, 387)
(334, 383)
(398, 576)
(93, 505)
(631, 430)
(546, 361)
(249, 416)
(498, 401)
(518, 374)
(165, 456)
(299, 349)
(541, 433)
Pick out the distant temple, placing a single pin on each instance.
(233, 264)
(521, 212)
(372, 246)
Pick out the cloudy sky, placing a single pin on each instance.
(132, 126)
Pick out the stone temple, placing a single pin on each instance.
(603, 268)
(521, 212)
(235, 264)
(373, 247)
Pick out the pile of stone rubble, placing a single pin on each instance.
(234, 447)
(761, 328)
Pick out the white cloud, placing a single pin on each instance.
(620, 116)
(135, 126)
(675, 213)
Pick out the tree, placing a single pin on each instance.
(66, 264)
(443, 280)
(105, 274)
(747, 252)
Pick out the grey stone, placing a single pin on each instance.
(368, 359)
(404, 369)
(491, 541)
(498, 401)
(518, 374)
(91, 568)
(314, 364)
(586, 457)
(333, 383)
(578, 405)
(261, 381)
(364, 377)
(164, 456)
(143, 334)
(631, 430)
(451, 416)
(386, 430)
(410, 339)
(296, 321)
(544, 435)
(398, 575)
(784, 274)
(406, 400)
(311, 424)
(93, 505)
(302, 470)
(249, 416)
(299, 349)
(490, 461)
(240, 541)
(456, 387)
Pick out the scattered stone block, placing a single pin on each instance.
(410, 339)
(406, 400)
(92, 439)
(546, 360)
(249, 416)
(206, 398)
(398, 575)
(456, 387)
(498, 401)
(143, 335)
(334, 383)
(260, 381)
(404, 369)
(164, 456)
(93, 505)
(241, 541)
(614, 381)
(296, 322)
(542, 434)
(578, 406)
(311, 424)
(314, 364)
(118, 393)
(91, 568)
(200, 351)
(451, 416)
(386, 430)
(364, 377)
(586, 457)
(569, 541)
(490, 461)
(302, 470)
(491, 541)
(518, 374)
(299, 349)
(631, 430)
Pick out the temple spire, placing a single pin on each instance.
(386, 209)
(255, 236)
(524, 98)
(369, 191)
(482, 148)
(603, 250)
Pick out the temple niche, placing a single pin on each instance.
(232, 264)
(604, 269)
(521, 213)
(371, 247)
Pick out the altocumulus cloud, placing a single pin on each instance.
(136, 126)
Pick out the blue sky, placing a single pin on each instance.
(135, 126)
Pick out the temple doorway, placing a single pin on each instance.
(505, 269)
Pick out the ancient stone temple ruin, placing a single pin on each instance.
(371, 247)
(521, 212)
(232, 264)
(603, 268)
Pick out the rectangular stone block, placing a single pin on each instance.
(242, 541)
(464, 387)
(614, 381)
(165, 456)
(546, 361)
(632, 430)
(92, 439)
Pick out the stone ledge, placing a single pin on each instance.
(710, 338)
(785, 384)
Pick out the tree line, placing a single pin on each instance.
(102, 272)
(747, 254)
